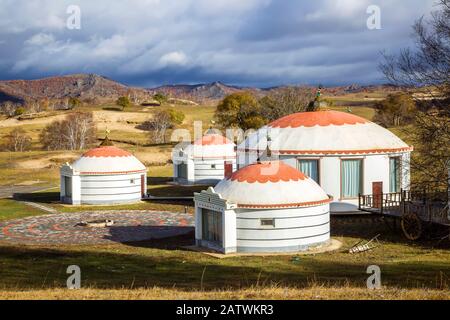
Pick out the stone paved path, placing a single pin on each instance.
(9, 191)
(61, 228)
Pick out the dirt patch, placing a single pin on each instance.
(119, 121)
(150, 158)
(28, 183)
(48, 162)
(12, 122)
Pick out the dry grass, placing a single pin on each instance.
(270, 293)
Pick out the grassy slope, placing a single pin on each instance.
(158, 264)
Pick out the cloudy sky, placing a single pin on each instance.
(242, 42)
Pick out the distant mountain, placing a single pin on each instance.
(82, 86)
(201, 92)
(91, 87)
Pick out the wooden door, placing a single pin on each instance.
(377, 192)
(228, 165)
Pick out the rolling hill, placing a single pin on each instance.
(82, 86)
(89, 87)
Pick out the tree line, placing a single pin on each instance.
(244, 110)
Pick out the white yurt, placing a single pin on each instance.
(264, 207)
(104, 175)
(345, 154)
(206, 161)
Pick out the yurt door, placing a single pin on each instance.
(228, 165)
(143, 185)
(377, 192)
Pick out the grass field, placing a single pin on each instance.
(260, 293)
(159, 269)
(164, 270)
(10, 209)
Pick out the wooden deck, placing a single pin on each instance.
(427, 207)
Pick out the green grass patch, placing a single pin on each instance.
(11, 209)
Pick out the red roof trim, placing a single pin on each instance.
(113, 172)
(326, 152)
(288, 205)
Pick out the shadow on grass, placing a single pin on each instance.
(158, 180)
(39, 197)
(367, 227)
(115, 267)
(175, 190)
(112, 109)
(163, 237)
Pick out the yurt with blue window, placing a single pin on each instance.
(345, 154)
(264, 207)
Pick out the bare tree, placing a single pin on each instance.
(284, 101)
(428, 67)
(76, 132)
(17, 141)
(158, 126)
(9, 108)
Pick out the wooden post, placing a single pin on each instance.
(359, 201)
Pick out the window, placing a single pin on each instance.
(213, 166)
(351, 178)
(267, 222)
(212, 226)
(310, 168)
(394, 174)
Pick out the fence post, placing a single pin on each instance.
(359, 201)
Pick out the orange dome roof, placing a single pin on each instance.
(271, 185)
(107, 160)
(212, 139)
(318, 118)
(107, 151)
(324, 133)
(267, 171)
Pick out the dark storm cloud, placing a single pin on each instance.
(252, 42)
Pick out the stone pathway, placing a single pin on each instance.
(62, 228)
(40, 207)
(9, 191)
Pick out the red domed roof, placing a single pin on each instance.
(271, 185)
(212, 139)
(324, 133)
(106, 151)
(318, 118)
(267, 171)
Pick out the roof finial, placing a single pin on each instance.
(268, 150)
(106, 142)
